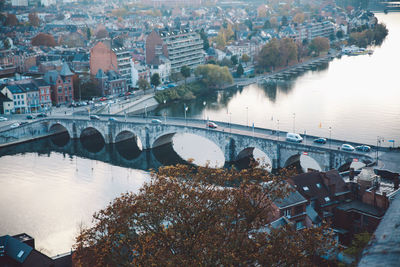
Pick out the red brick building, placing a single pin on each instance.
(61, 84)
(102, 57)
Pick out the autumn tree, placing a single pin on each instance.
(214, 76)
(198, 216)
(34, 19)
(245, 58)
(143, 84)
(268, 57)
(43, 39)
(299, 18)
(287, 51)
(319, 44)
(11, 20)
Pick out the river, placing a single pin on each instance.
(48, 191)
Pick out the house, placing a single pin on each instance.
(19, 250)
(324, 190)
(61, 84)
(18, 95)
(44, 92)
(6, 104)
(111, 83)
(162, 66)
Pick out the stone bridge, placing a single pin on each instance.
(234, 144)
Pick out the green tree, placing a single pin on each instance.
(226, 62)
(143, 84)
(234, 60)
(249, 24)
(339, 34)
(206, 42)
(360, 241)
(214, 76)
(6, 43)
(284, 21)
(239, 70)
(319, 44)
(267, 24)
(187, 216)
(155, 79)
(185, 71)
(88, 33)
(34, 19)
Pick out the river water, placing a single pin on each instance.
(48, 190)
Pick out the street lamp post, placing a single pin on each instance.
(185, 108)
(247, 116)
(230, 122)
(379, 139)
(294, 122)
(278, 129)
(204, 104)
(330, 136)
(305, 137)
(145, 111)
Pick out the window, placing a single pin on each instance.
(305, 188)
(22, 102)
(327, 199)
(42, 91)
(299, 225)
(318, 185)
(287, 213)
(20, 253)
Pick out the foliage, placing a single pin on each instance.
(89, 89)
(339, 34)
(181, 92)
(102, 33)
(269, 55)
(239, 70)
(226, 62)
(234, 60)
(358, 244)
(299, 18)
(267, 24)
(34, 19)
(368, 36)
(319, 44)
(186, 216)
(155, 79)
(224, 35)
(6, 43)
(249, 24)
(287, 51)
(185, 71)
(213, 76)
(203, 36)
(284, 21)
(143, 84)
(43, 39)
(245, 58)
(176, 76)
(11, 20)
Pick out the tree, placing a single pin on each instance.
(34, 19)
(269, 55)
(102, 33)
(299, 18)
(43, 39)
(234, 60)
(143, 84)
(6, 43)
(239, 70)
(206, 43)
(267, 24)
(226, 62)
(214, 76)
(319, 44)
(155, 79)
(185, 71)
(11, 20)
(191, 216)
(88, 33)
(249, 24)
(284, 21)
(339, 34)
(245, 58)
(358, 244)
(287, 51)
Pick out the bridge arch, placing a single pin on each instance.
(305, 162)
(213, 146)
(353, 162)
(258, 154)
(59, 127)
(126, 134)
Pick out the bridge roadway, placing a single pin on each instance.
(235, 141)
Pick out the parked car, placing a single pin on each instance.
(294, 137)
(320, 141)
(94, 117)
(41, 115)
(103, 98)
(363, 148)
(212, 125)
(347, 147)
(14, 125)
(113, 119)
(3, 119)
(156, 121)
(30, 117)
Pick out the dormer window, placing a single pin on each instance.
(318, 185)
(305, 188)
(327, 199)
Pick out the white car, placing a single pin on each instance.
(14, 125)
(294, 137)
(347, 147)
(3, 119)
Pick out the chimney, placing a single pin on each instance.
(351, 174)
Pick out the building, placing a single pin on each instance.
(111, 83)
(18, 95)
(6, 104)
(32, 96)
(61, 84)
(162, 66)
(19, 250)
(315, 29)
(181, 47)
(44, 93)
(106, 58)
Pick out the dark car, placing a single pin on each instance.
(363, 148)
(320, 141)
(30, 117)
(41, 115)
(94, 117)
(112, 119)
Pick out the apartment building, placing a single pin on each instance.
(61, 84)
(315, 29)
(181, 47)
(106, 58)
